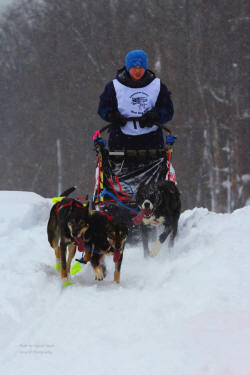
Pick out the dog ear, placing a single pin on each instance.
(171, 188)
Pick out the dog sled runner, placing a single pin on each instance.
(119, 174)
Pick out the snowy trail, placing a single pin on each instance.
(185, 312)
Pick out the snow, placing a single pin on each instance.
(186, 312)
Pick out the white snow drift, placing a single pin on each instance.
(186, 312)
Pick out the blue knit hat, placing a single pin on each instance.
(136, 57)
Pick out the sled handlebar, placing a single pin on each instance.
(106, 127)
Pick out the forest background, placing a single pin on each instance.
(56, 57)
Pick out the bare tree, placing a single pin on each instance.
(56, 57)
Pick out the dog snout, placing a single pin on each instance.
(147, 205)
(118, 245)
(75, 233)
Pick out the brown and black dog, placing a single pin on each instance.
(105, 236)
(68, 222)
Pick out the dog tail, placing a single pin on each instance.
(68, 191)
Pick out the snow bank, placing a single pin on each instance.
(186, 312)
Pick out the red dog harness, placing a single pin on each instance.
(70, 203)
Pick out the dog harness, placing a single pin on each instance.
(59, 205)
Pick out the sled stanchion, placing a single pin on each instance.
(98, 147)
(170, 140)
(101, 176)
(169, 164)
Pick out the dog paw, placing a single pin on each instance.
(66, 282)
(155, 249)
(75, 268)
(58, 266)
(99, 273)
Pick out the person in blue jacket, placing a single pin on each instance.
(135, 102)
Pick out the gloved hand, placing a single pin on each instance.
(99, 142)
(170, 139)
(116, 118)
(149, 118)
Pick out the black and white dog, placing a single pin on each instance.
(159, 204)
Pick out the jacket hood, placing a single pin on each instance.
(123, 77)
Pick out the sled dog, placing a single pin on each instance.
(105, 236)
(159, 204)
(68, 222)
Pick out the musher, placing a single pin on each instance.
(134, 102)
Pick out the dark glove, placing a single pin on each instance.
(116, 118)
(149, 118)
(99, 142)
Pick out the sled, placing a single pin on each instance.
(119, 174)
